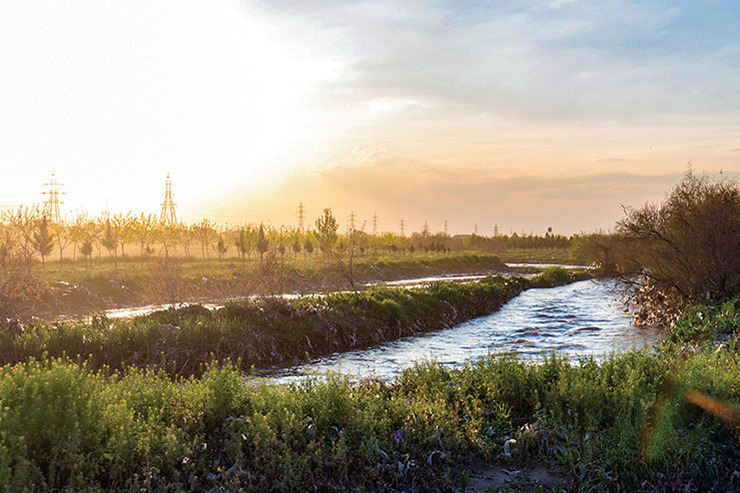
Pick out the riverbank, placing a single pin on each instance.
(76, 292)
(268, 332)
(621, 425)
(577, 320)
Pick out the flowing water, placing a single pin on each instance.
(581, 319)
(136, 311)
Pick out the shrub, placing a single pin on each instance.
(553, 276)
(689, 246)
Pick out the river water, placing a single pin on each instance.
(136, 311)
(578, 320)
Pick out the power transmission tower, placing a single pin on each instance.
(425, 229)
(446, 227)
(51, 206)
(476, 230)
(375, 224)
(352, 221)
(167, 215)
(495, 230)
(403, 227)
(301, 216)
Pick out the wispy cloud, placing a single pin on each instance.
(573, 60)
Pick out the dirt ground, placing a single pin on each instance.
(488, 478)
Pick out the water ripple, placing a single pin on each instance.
(582, 319)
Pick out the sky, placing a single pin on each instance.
(518, 115)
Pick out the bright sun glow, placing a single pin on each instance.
(119, 94)
(523, 116)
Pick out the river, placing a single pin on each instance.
(582, 319)
(137, 311)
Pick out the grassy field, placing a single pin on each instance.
(621, 425)
(538, 256)
(133, 268)
(135, 272)
(75, 290)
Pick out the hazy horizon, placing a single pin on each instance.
(524, 115)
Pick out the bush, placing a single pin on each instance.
(553, 276)
(688, 246)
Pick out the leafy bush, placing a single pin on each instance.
(553, 276)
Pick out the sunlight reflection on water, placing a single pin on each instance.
(582, 319)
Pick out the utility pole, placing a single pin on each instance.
(167, 214)
(51, 206)
(375, 224)
(403, 226)
(301, 216)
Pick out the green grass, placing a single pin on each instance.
(541, 256)
(195, 268)
(618, 425)
(130, 283)
(269, 331)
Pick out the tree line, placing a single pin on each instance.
(85, 236)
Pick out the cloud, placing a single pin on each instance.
(464, 196)
(566, 60)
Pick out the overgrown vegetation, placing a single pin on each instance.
(689, 246)
(683, 250)
(96, 254)
(268, 331)
(622, 425)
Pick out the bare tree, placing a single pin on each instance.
(123, 230)
(165, 281)
(20, 288)
(143, 231)
(690, 244)
(62, 232)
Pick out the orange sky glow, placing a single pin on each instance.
(524, 116)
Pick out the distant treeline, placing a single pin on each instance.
(122, 235)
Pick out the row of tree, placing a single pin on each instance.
(86, 235)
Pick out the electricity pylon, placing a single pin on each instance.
(168, 215)
(51, 206)
(301, 211)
